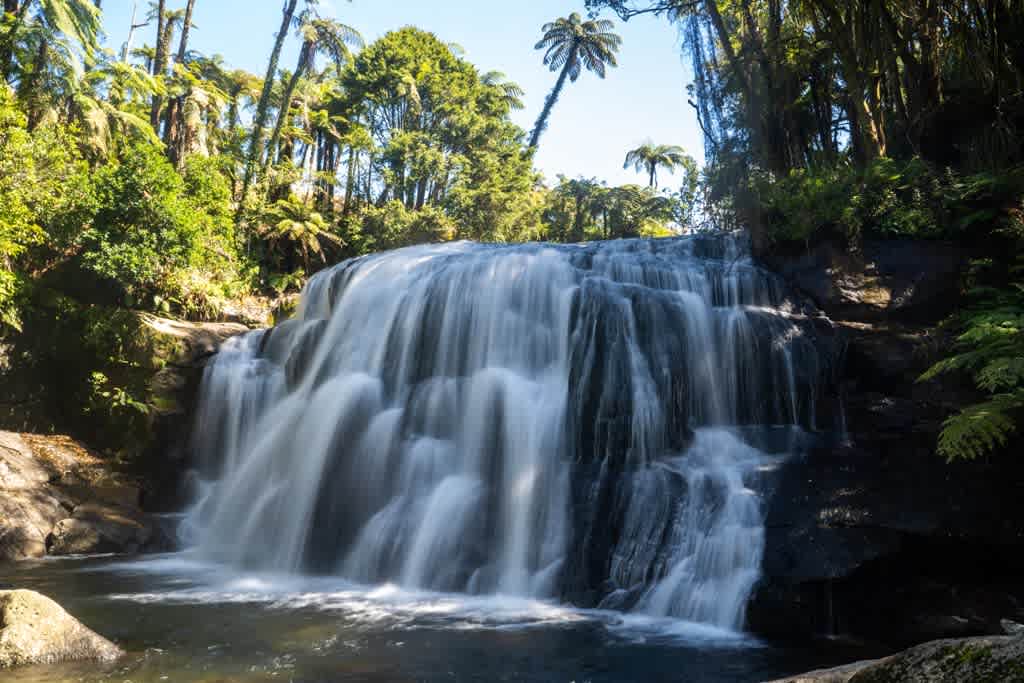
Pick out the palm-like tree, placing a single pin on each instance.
(581, 192)
(319, 35)
(77, 20)
(648, 158)
(289, 225)
(509, 94)
(572, 45)
(263, 106)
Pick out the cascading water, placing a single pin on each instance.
(576, 422)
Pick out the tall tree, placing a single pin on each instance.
(159, 12)
(172, 132)
(259, 123)
(649, 157)
(76, 20)
(318, 35)
(126, 48)
(571, 45)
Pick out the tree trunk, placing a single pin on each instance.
(577, 221)
(286, 103)
(160, 61)
(350, 182)
(263, 107)
(549, 103)
(333, 149)
(172, 134)
(421, 194)
(864, 115)
(132, 26)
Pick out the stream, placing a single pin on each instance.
(184, 621)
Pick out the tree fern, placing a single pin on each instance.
(991, 349)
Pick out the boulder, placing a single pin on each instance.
(29, 507)
(996, 658)
(36, 630)
(100, 528)
(177, 353)
(57, 496)
(839, 674)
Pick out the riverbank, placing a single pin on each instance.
(59, 498)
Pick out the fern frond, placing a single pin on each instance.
(981, 428)
(973, 359)
(1001, 374)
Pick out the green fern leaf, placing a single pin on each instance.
(980, 429)
(1001, 374)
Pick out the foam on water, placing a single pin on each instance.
(182, 579)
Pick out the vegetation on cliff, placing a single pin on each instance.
(833, 121)
(160, 179)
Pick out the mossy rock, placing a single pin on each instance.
(990, 659)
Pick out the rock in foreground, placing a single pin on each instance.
(36, 630)
(994, 658)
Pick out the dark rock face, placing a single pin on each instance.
(183, 351)
(879, 538)
(913, 280)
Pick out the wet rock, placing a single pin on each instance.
(177, 353)
(879, 538)
(1011, 628)
(998, 658)
(839, 674)
(36, 630)
(28, 506)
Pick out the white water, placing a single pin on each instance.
(511, 420)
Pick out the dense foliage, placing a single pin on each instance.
(991, 350)
(159, 179)
(847, 121)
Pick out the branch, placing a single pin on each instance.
(626, 13)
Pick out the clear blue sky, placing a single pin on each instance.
(592, 127)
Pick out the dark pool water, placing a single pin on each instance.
(181, 621)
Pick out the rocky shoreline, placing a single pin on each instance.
(999, 659)
(59, 498)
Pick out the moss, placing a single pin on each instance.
(973, 654)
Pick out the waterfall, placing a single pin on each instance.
(578, 422)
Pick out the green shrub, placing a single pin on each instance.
(888, 199)
(393, 225)
(45, 196)
(991, 350)
(156, 234)
(806, 202)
